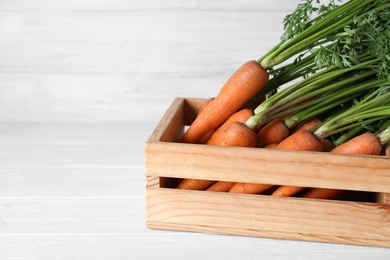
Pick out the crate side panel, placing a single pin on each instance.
(268, 234)
(171, 125)
(256, 165)
(265, 213)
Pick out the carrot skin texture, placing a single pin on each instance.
(194, 184)
(302, 140)
(204, 105)
(287, 191)
(244, 84)
(322, 193)
(241, 116)
(234, 134)
(272, 133)
(249, 188)
(221, 186)
(367, 144)
(307, 125)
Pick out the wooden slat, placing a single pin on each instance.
(251, 214)
(308, 169)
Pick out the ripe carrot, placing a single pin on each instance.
(194, 184)
(276, 131)
(249, 188)
(234, 134)
(367, 144)
(287, 191)
(272, 133)
(302, 140)
(221, 186)
(244, 84)
(240, 116)
(204, 105)
(321, 193)
(307, 124)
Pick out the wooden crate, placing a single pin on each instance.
(347, 221)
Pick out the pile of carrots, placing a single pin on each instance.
(337, 109)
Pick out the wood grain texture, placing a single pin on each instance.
(250, 214)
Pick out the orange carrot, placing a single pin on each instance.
(302, 140)
(307, 124)
(244, 84)
(221, 186)
(276, 131)
(204, 105)
(322, 193)
(240, 116)
(367, 144)
(272, 133)
(194, 184)
(234, 134)
(249, 188)
(287, 191)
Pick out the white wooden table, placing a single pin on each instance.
(82, 85)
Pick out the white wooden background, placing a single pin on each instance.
(82, 85)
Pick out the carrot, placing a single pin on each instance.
(272, 133)
(307, 124)
(194, 184)
(234, 134)
(249, 188)
(276, 131)
(287, 191)
(302, 140)
(240, 116)
(204, 105)
(327, 145)
(366, 143)
(321, 193)
(221, 186)
(244, 84)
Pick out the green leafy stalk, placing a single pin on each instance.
(297, 39)
(374, 107)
